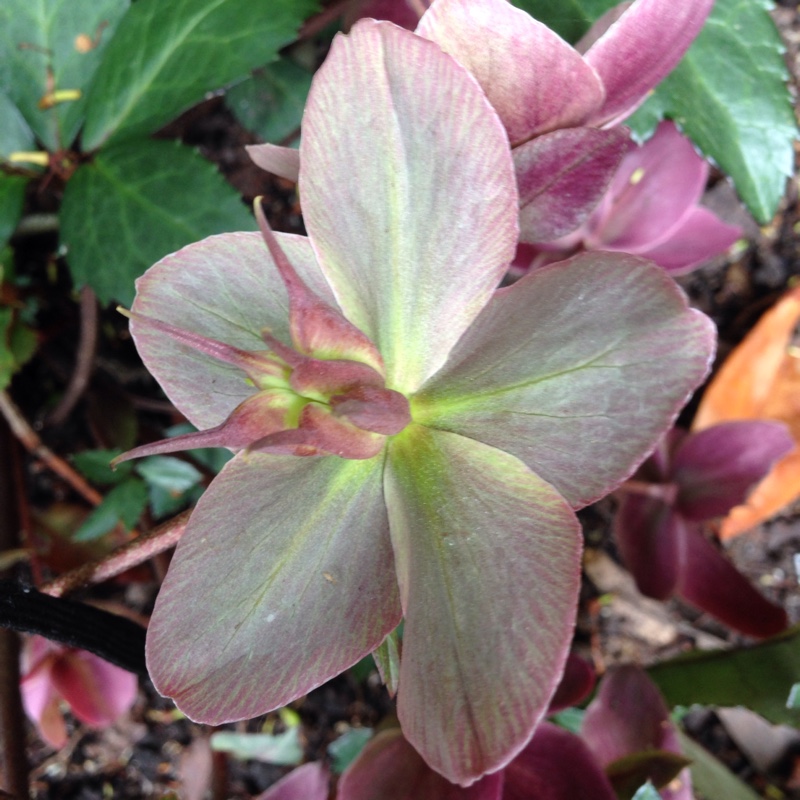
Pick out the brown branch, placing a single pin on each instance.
(33, 444)
(87, 347)
(130, 555)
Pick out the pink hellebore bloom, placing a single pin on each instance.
(552, 99)
(455, 436)
(96, 691)
(651, 210)
(626, 739)
(309, 782)
(691, 478)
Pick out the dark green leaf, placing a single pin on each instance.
(729, 95)
(344, 750)
(569, 18)
(164, 503)
(212, 458)
(124, 503)
(759, 677)
(14, 131)
(271, 102)
(94, 465)
(570, 719)
(135, 204)
(40, 50)
(627, 774)
(710, 779)
(167, 56)
(12, 200)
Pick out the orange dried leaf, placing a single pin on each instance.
(760, 379)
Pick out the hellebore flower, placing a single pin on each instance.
(691, 478)
(626, 739)
(308, 782)
(96, 691)
(456, 426)
(650, 209)
(553, 99)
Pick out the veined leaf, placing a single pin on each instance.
(53, 45)
(124, 503)
(136, 203)
(168, 56)
(729, 95)
(710, 777)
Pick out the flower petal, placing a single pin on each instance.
(551, 375)
(646, 532)
(268, 597)
(555, 765)
(226, 288)
(654, 189)
(389, 768)
(575, 685)
(699, 236)
(627, 715)
(712, 583)
(98, 692)
(562, 176)
(488, 561)
(281, 161)
(309, 782)
(640, 49)
(536, 81)
(408, 194)
(716, 468)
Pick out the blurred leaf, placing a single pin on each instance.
(271, 102)
(759, 677)
(659, 766)
(112, 416)
(282, 748)
(164, 503)
(12, 200)
(15, 134)
(168, 473)
(17, 345)
(647, 792)
(135, 204)
(344, 750)
(569, 18)
(760, 379)
(124, 503)
(570, 719)
(53, 45)
(94, 465)
(793, 701)
(736, 109)
(710, 778)
(167, 56)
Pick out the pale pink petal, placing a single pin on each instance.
(646, 533)
(536, 81)
(640, 49)
(717, 467)
(562, 176)
(698, 237)
(602, 386)
(255, 614)
(654, 189)
(555, 765)
(309, 782)
(409, 194)
(226, 288)
(389, 768)
(39, 696)
(281, 161)
(97, 692)
(488, 562)
(713, 584)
